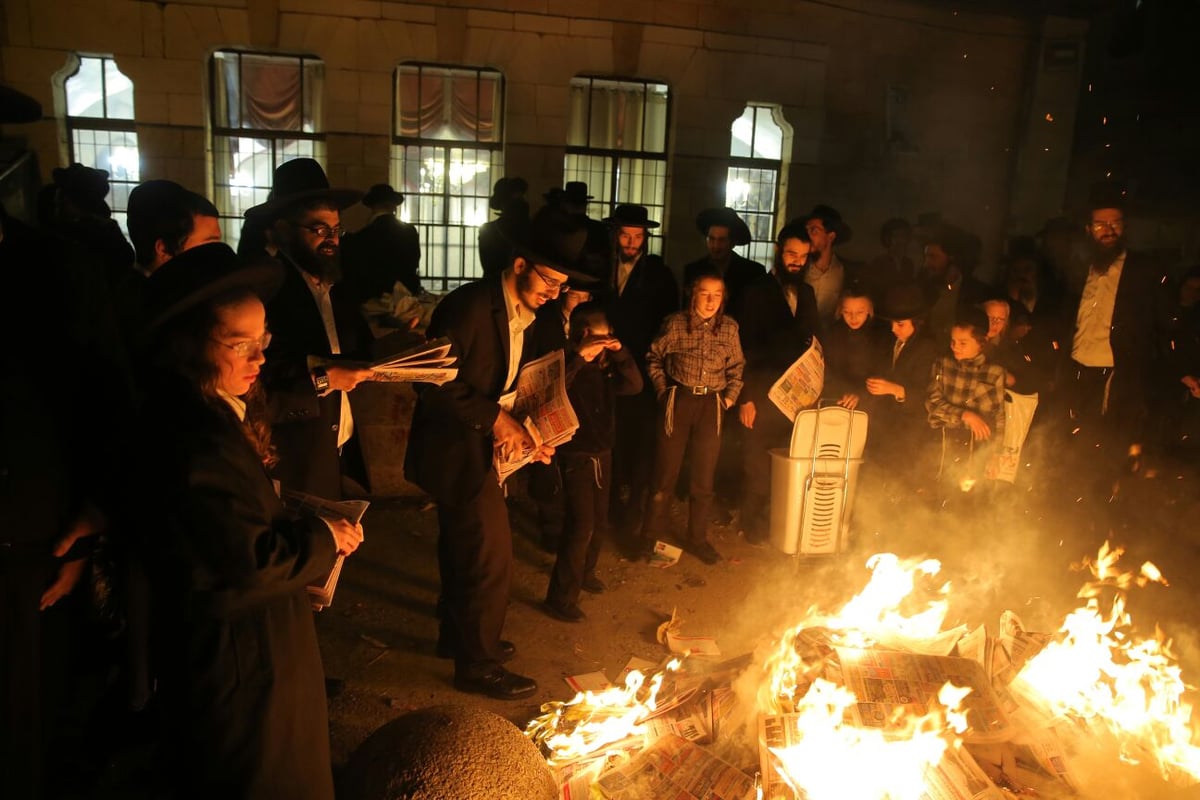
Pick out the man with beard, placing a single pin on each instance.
(459, 426)
(724, 230)
(640, 293)
(1117, 352)
(313, 325)
(779, 318)
(826, 274)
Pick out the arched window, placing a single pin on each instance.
(447, 150)
(759, 148)
(100, 129)
(617, 144)
(264, 110)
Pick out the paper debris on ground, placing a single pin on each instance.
(673, 767)
(642, 665)
(589, 682)
(665, 555)
(698, 646)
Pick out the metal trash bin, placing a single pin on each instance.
(813, 482)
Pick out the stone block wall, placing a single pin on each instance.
(963, 76)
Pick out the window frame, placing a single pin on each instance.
(73, 123)
(437, 270)
(765, 249)
(231, 221)
(614, 156)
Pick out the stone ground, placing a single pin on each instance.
(379, 635)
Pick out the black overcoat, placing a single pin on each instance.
(772, 337)
(384, 251)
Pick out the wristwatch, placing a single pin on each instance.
(320, 380)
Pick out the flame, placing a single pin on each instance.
(592, 721)
(1099, 672)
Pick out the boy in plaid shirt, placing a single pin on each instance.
(696, 367)
(965, 400)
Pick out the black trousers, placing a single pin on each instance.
(587, 485)
(771, 430)
(633, 451)
(475, 561)
(695, 431)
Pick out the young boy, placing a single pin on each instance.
(965, 400)
(598, 369)
(696, 366)
(854, 349)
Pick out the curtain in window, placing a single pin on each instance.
(448, 107)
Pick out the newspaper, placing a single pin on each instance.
(429, 362)
(800, 386)
(540, 402)
(676, 768)
(886, 681)
(321, 592)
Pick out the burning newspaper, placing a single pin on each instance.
(800, 386)
(674, 767)
(540, 402)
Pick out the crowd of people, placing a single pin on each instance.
(144, 474)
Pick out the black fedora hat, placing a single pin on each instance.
(505, 190)
(572, 192)
(298, 181)
(382, 193)
(200, 274)
(904, 301)
(726, 217)
(831, 218)
(1106, 194)
(628, 215)
(17, 106)
(555, 239)
(86, 187)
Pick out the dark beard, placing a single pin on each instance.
(789, 278)
(328, 269)
(1103, 256)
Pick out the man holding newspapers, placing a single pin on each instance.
(462, 427)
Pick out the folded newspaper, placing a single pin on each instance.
(428, 362)
(540, 403)
(321, 592)
(800, 386)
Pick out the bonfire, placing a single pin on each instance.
(878, 700)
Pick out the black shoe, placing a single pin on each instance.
(571, 613)
(593, 584)
(499, 684)
(507, 650)
(704, 551)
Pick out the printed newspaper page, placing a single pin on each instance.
(429, 362)
(675, 768)
(321, 592)
(540, 399)
(801, 385)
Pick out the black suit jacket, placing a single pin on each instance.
(772, 337)
(450, 447)
(386, 250)
(304, 426)
(637, 313)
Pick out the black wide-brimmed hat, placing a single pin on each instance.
(505, 190)
(628, 215)
(382, 193)
(17, 106)
(904, 301)
(831, 218)
(554, 239)
(200, 274)
(84, 186)
(739, 232)
(1106, 194)
(572, 192)
(301, 180)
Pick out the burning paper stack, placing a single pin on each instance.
(876, 700)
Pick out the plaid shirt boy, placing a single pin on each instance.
(693, 352)
(969, 385)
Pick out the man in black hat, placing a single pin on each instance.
(640, 291)
(165, 219)
(1120, 335)
(314, 324)
(384, 251)
(723, 230)
(779, 319)
(573, 199)
(495, 246)
(949, 260)
(82, 216)
(826, 274)
(457, 428)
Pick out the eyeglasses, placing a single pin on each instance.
(248, 347)
(551, 284)
(323, 231)
(998, 320)
(1116, 226)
